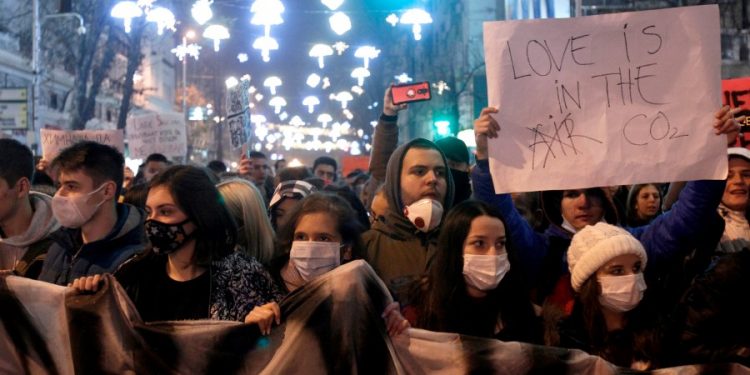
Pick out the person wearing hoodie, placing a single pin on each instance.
(543, 256)
(25, 217)
(419, 190)
(98, 234)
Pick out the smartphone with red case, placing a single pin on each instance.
(411, 92)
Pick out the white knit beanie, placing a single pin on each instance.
(594, 246)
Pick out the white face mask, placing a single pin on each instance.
(425, 214)
(622, 293)
(485, 272)
(314, 258)
(73, 212)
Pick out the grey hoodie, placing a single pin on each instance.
(42, 224)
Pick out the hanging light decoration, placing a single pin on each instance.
(162, 17)
(267, 13)
(441, 86)
(416, 17)
(126, 10)
(277, 102)
(324, 119)
(340, 23)
(366, 53)
(242, 57)
(265, 44)
(272, 83)
(332, 4)
(360, 74)
(344, 97)
(217, 33)
(392, 19)
(403, 78)
(340, 47)
(201, 11)
(193, 50)
(321, 51)
(311, 102)
(313, 80)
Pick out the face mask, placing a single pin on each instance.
(485, 272)
(314, 258)
(73, 212)
(166, 238)
(461, 186)
(622, 293)
(425, 214)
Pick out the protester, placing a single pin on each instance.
(300, 173)
(351, 198)
(325, 167)
(606, 266)
(733, 207)
(44, 175)
(322, 234)
(192, 270)
(710, 324)
(419, 191)
(472, 287)
(97, 233)
(287, 196)
(127, 179)
(255, 168)
(668, 237)
(457, 153)
(218, 167)
(643, 204)
(136, 196)
(255, 235)
(279, 165)
(379, 206)
(154, 164)
(26, 219)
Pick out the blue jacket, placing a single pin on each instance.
(68, 258)
(668, 236)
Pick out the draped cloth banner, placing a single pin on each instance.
(613, 99)
(332, 325)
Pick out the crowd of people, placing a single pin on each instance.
(645, 276)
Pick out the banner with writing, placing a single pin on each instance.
(605, 100)
(156, 133)
(54, 141)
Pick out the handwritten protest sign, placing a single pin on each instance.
(238, 116)
(152, 133)
(605, 100)
(54, 141)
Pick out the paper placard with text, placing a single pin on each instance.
(605, 100)
(156, 133)
(54, 141)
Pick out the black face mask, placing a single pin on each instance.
(166, 238)
(462, 186)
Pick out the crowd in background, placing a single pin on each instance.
(645, 276)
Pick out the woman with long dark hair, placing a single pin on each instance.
(608, 319)
(474, 286)
(192, 270)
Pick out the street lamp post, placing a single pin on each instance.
(36, 63)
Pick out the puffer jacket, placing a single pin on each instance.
(69, 258)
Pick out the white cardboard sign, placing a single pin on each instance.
(156, 133)
(605, 100)
(54, 141)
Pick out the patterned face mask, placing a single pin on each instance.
(166, 238)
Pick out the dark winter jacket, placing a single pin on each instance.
(69, 258)
(238, 283)
(711, 322)
(398, 252)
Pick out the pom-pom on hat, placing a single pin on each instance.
(595, 245)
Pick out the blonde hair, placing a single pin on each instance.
(246, 205)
